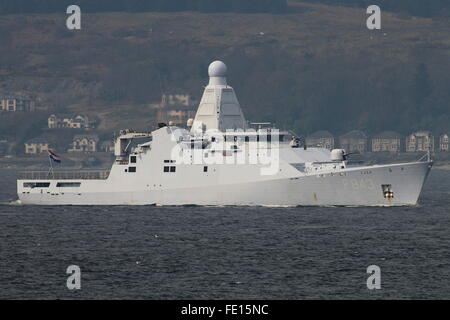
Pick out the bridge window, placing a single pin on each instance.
(170, 169)
(36, 184)
(68, 184)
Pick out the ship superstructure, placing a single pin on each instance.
(222, 160)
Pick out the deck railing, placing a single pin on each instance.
(63, 175)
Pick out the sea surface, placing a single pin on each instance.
(226, 252)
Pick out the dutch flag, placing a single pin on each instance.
(54, 156)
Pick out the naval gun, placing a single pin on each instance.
(341, 155)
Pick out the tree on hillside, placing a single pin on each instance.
(421, 87)
(422, 8)
(49, 6)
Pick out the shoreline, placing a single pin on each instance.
(442, 166)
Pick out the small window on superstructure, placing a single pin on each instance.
(172, 169)
(166, 169)
(133, 159)
(132, 169)
(205, 169)
(247, 138)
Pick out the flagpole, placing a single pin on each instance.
(51, 167)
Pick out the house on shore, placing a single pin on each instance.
(322, 138)
(71, 121)
(175, 109)
(444, 142)
(354, 141)
(16, 103)
(420, 141)
(388, 141)
(84, 143)
(176, 115)
(37, 146)
(173, 99)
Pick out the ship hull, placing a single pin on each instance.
(362, 186)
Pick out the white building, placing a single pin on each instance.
(36, 146)
(420, 141)
(443, 142)
(84, 143)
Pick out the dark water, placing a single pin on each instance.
(229, 252)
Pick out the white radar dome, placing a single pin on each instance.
(217, 69)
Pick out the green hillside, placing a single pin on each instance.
(316, 67)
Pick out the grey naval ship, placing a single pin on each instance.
(221, 159)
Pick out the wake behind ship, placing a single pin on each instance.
(221, 160)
